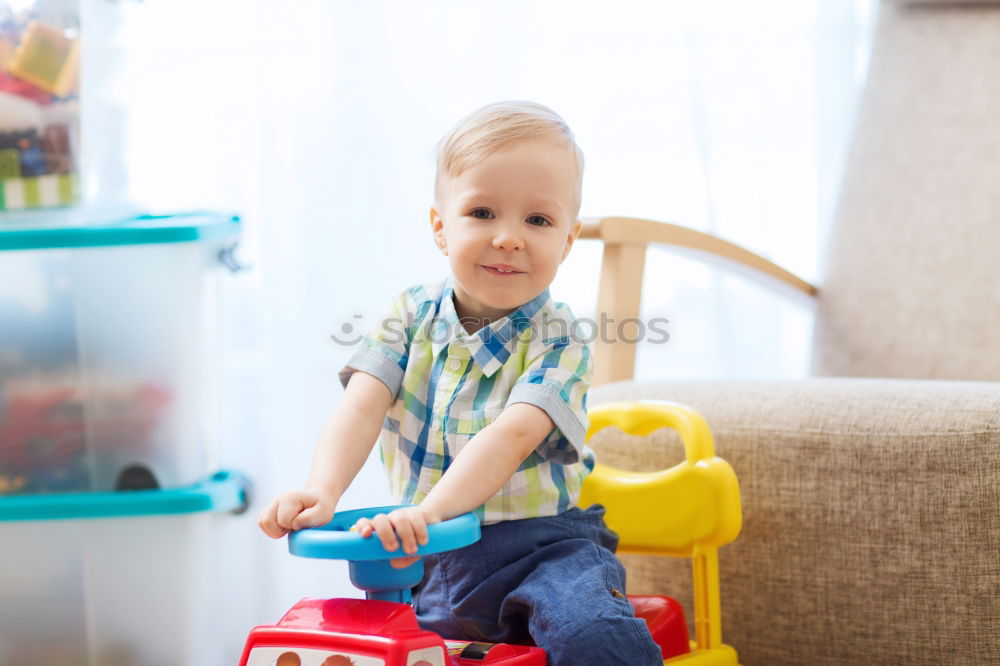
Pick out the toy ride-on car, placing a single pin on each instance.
(697, 509)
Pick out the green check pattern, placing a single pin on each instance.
(450, 384)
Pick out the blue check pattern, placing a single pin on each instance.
(450, 384)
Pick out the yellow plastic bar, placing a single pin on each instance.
(688, 510)
(707, 606)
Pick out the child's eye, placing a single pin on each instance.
(481, 214)
(537, 220)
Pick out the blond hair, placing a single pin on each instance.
(498, 126)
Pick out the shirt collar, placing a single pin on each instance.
(490, 346)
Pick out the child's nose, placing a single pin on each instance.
(507, 238)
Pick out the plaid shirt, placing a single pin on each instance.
(449, 385)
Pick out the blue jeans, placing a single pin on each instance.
(553, 581)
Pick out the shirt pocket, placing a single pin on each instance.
(468, 422)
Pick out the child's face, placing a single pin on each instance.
(505, 224)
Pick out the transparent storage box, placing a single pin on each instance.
(103, 336)
(116, 536)
(126, 591)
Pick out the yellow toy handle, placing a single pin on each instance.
(642, 418)
(695, 503)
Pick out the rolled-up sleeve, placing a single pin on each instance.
(556, 380)
(385, 349)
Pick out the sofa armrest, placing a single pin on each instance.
(871, 512)
(623, 264)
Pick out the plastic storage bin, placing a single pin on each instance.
(126, 591)
(39, 103)
(103, 331)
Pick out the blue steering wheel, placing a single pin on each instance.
(369, 561)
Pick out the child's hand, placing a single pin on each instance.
(408, 525)
(296, 510)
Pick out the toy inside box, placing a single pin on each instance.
(103, 337)
(39, 103)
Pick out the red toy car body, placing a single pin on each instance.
(362, 632)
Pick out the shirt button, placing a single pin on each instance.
(455, 364)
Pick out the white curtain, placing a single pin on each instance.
(316, 120)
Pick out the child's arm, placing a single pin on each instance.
(344, 445)
(478, 472)
(488, 461)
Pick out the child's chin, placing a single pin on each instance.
(499, 308)
(507, 301)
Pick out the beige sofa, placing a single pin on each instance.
(871, 492)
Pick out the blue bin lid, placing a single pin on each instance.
(225, 490)
(137, 230)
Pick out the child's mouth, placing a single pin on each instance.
(502, 269)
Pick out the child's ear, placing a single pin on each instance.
(437, 228)
(574, 232)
